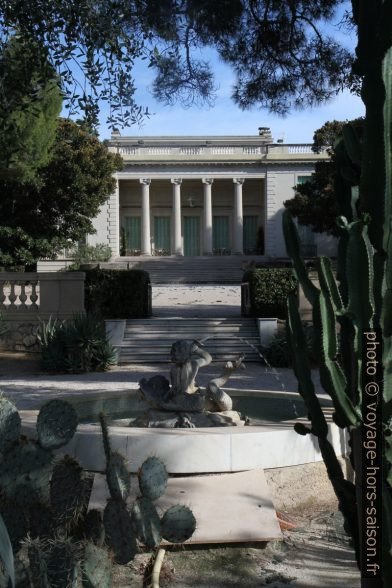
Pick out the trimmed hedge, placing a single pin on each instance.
(117, 294)
(269, 288)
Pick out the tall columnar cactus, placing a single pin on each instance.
(362, 298)
(143, 521)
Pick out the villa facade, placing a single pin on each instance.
(205, 195)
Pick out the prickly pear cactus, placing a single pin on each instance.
(178, 524)
(119, 530)
(96, 567)
(56, 424)
(68, 491)
(147, 522)
(152, 478)
(10, 424)
(118, 476)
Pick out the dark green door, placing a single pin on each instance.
(162, 234)
(250, 233)
(220, 233)
(132, 227)
(191, 235)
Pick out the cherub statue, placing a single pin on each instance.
(183, 395)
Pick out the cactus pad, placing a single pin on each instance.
(178, 524)
(16, 523)
(62, 561)
(96, 567)
(94, 530)
(36, 550)
(9, 424)
(118, 476)
(152, 478)
(25, 473)
(147, 522)
(68, 490)
(120, 534)
(56, 424)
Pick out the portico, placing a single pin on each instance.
(190, 216)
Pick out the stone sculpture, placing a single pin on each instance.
(180, 402)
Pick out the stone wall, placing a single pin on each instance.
(20, 336)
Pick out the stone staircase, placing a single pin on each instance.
(149, 340)
(222, 269)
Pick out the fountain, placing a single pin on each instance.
(196, 429)
(182, 404)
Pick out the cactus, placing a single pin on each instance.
(147, 522)
(120, 534)
(121, 527)
(36, 550)
(25, 473)
(152, 478)
(94, 531)
(178, 524)
(16, 522)
(56, 424)
(362, 299)
(68, 491)
(9, 424)
(96, 567)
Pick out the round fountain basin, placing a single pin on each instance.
(269, 441)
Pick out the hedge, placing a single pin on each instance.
(117, 294)
(269, 288)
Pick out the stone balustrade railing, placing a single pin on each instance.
(29, 296)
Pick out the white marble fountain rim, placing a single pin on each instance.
(204, 450)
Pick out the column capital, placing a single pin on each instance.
(145, 181)
(207, 180)
(238, 180)
(176, 181)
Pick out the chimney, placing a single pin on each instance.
(115, 134)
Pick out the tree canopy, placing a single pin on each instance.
(28, 109)
(39, 219)
(315, 202)
(278, 49)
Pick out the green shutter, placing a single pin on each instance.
(220, 233)
(191, 235)
(250, 233)
(132, 226)
(162, 234)
(303, 179)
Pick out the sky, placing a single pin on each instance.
(225, 118)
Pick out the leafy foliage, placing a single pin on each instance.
(76, 345)
(269, 288)
(28, 111)
(279, 51)
(117, 294)
(278, 352)
(39, 219)
(316, 201)
(88, 253)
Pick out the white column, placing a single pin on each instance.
(177, 240)
(238, 216)
(146, 236)
(113, 220)
(207, 228)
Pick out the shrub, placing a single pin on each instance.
(269, 288)
(117, 294)
(278, 353)
(76, 345)
(88, 253)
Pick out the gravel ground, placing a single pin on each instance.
(197, 301)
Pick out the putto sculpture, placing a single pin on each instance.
(181, 402)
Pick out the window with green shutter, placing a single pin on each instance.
(162, 235)
(250, 228)
(220, 234)
(132, 227)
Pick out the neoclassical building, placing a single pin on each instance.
(205, 195)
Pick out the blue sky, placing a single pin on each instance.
(225, 118)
